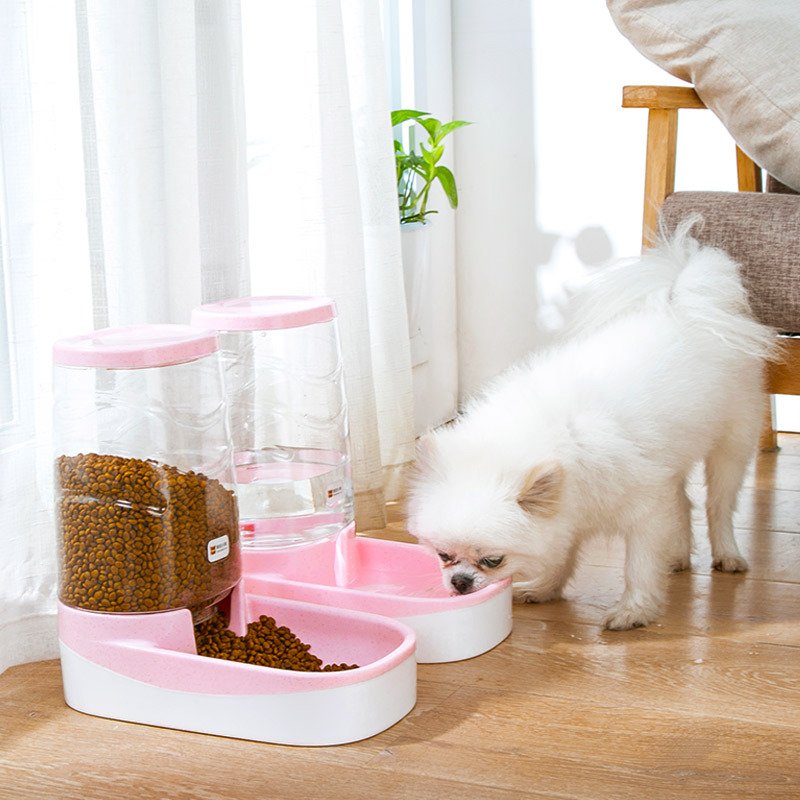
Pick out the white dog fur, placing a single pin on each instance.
(661, 369)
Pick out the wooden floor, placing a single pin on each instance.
(705, 704)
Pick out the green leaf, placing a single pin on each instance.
(431, 125)
(448, 183)
(432, 156)
(411, 165)
(404, 114)
(449, 127)
(398, 147)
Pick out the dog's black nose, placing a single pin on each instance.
(462, 583)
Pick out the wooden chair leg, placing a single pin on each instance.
(768, 442)
(747, 172)
(659, 178)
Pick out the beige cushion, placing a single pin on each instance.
(742, 57)
(762, 233)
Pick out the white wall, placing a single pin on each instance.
(552, 173)
(498, 240)
(589, 151)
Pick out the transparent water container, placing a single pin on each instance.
(146, 511)
(283, 373)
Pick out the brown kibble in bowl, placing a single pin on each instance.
(265, 644)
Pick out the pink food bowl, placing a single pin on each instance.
(394, 579)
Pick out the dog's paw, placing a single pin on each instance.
(624, 617)
(530, 593)
(730, 563)
(679, 563)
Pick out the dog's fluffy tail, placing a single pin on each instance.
(699, 282)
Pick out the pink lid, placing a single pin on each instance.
(263, 313)
(135, 347)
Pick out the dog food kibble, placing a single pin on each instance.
(265, 644)
(143, 536)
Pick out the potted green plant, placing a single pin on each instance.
(418, 170)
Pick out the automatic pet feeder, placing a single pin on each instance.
(283, 373)
(149, 545)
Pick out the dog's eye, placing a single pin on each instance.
(446, 557)
(491, 563)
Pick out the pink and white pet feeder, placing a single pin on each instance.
(149, 545)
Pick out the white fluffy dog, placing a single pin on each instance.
(595, 436)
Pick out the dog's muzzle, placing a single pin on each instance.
(462, 583)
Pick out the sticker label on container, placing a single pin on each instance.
(218, 548)
(332, 494)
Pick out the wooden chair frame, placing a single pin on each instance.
(663, 104)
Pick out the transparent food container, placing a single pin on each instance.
(146, 514)
(283, 373)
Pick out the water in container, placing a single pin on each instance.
(283, 373)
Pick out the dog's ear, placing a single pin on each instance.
(541, 491)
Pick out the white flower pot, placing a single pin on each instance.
(429, 273)
(415, 239)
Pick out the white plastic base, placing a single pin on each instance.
(462, 632)
(324, 717)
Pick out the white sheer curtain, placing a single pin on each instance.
(123, 198)
(323, 209)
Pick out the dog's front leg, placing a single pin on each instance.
(644, 596)
(549, 585)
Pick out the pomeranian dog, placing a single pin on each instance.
(661, 368)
